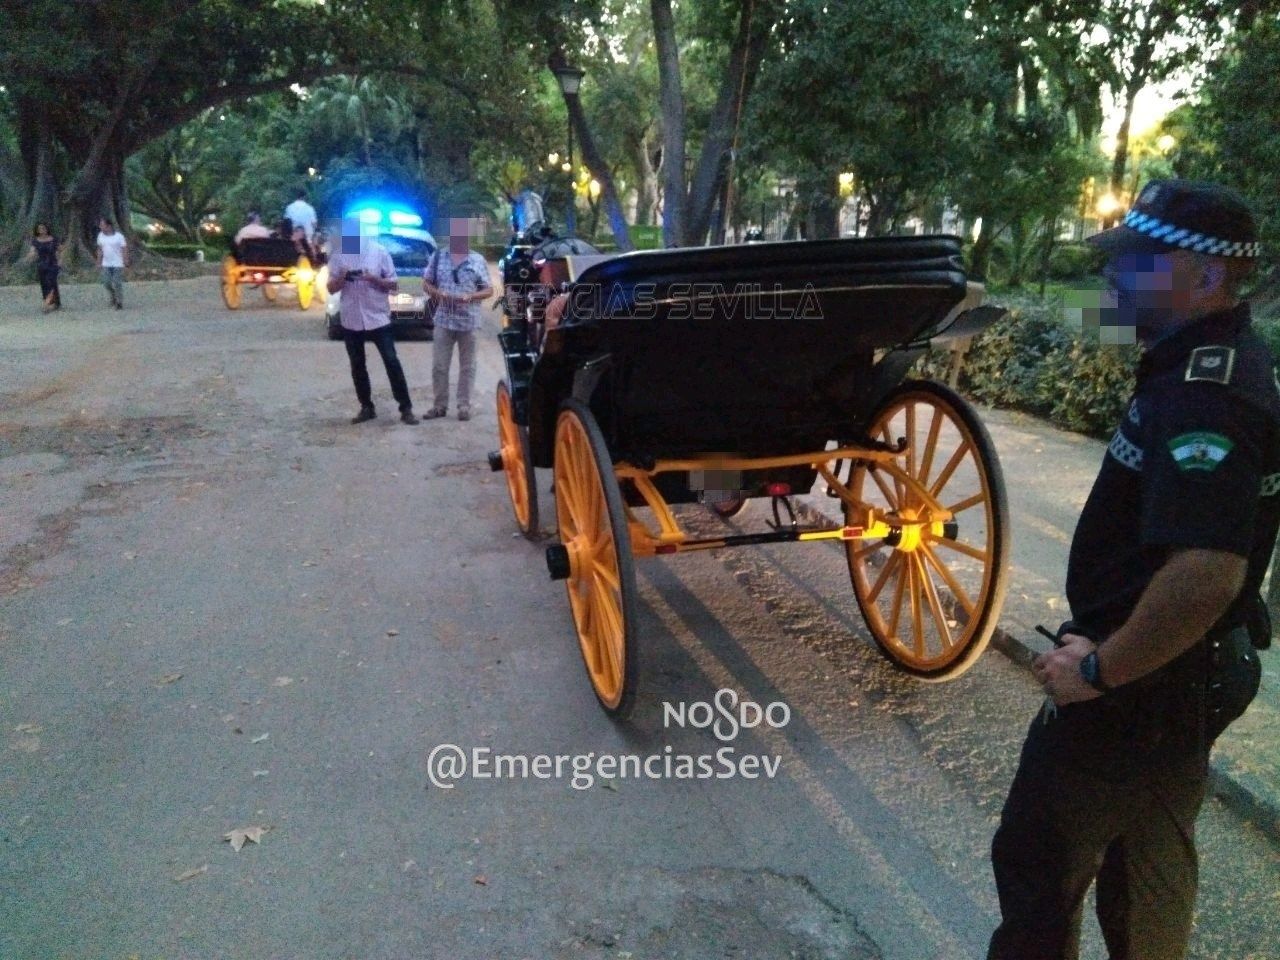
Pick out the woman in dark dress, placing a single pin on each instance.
(45, 247)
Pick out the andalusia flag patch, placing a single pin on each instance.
(1199, 450)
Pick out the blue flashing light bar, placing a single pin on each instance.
(376, 216)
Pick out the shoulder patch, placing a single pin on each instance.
(1213, 364)
(1199, 450)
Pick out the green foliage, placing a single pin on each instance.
(1232, 133)
(1074, 261)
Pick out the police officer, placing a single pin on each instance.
(1164, 574)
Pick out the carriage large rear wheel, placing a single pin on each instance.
(602, 580)
(230, 283)
(517, 464)
(931, 594)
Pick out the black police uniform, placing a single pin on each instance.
(1111, 787)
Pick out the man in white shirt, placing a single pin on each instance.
(302, 214)
(112, 259)
(362, 269)
(253, 228)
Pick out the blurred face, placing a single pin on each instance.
(106, 226)
(1153, 292)
(461, 230)
(42, 230)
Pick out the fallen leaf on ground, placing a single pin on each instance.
(282, 681)
(238, 836)
(260, 737)
(168, 678)
(481, 880)
(393, 633)
(28, 728)
(128, 555)
(261, 773)
(407, 866)
(191, 874)
(308, 563)
(65, 621)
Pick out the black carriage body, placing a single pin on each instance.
(760, 350)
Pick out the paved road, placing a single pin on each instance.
(223, 607)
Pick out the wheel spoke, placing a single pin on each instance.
(897, 599)
(910, 411)
(949, 469)
(894, 561)
(964, 548)
(917, 624)
(861, 552)
(949, 579)
(967, 502)
(892, 498)
(930, 447)
(935, 604)
(610, 576)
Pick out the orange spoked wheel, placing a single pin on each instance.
(305, 280)
(602, 580)
(931, 592)
(230, 283)
(517, 464)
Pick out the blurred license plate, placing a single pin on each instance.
(726, 483)
(403, 299)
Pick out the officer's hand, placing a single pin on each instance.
(1058, 671)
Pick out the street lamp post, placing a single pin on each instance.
(570, 79)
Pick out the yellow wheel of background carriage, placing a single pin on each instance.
(602, 582)
(517, 464)
(305, 282)
(230, 282)
(931, 593)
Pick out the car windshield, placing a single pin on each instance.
(407, 253)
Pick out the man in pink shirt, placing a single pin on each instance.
(362, 269)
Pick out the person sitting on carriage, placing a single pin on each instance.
(253, 229)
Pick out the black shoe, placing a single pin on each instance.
(406, 416)
(366, 413)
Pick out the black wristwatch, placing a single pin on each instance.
(1091, 670)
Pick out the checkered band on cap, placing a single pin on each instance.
(1188, 239)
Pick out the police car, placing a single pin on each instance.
(400, 232)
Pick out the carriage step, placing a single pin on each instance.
(495, 461)
(558, 561)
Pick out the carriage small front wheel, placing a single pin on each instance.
(931, 592)
(596, 542)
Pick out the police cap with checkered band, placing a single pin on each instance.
(1190, 215)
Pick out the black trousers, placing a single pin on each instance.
(49, 285)
(383, 339)
(1108, 789)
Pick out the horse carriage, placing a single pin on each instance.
(724, 374)
(267, 263)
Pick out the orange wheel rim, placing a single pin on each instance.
(594, 583)
(513, 459)
(923, 596)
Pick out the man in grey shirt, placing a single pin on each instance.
(457, 280)
(362, 269)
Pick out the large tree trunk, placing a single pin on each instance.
(671, 100)
(1121, 159)
(743, 67)
(647, 188)
(980, 255)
